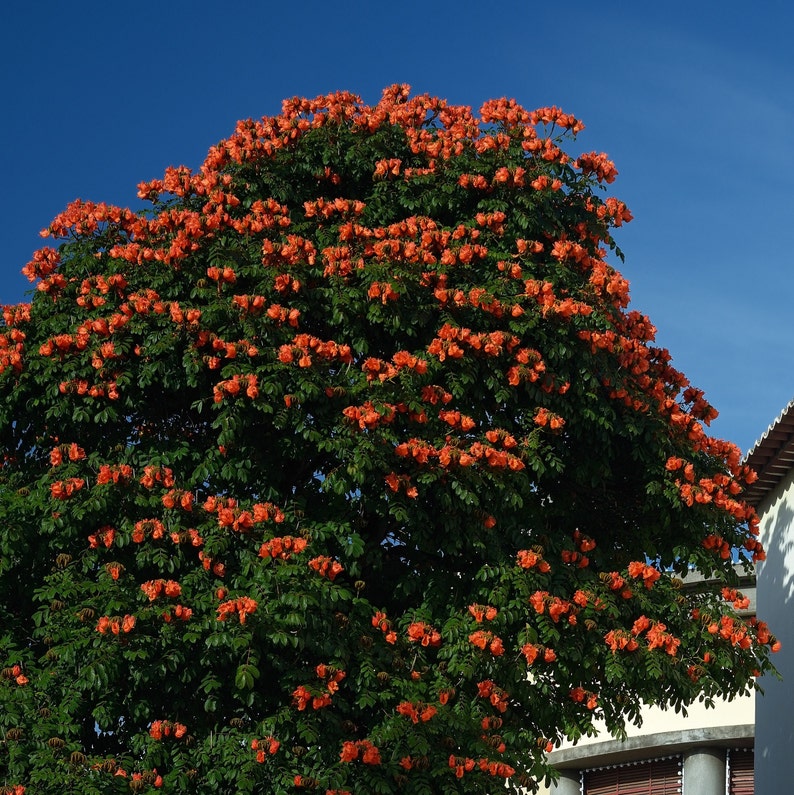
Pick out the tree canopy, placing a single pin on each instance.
(345, 466)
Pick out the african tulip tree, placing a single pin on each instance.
(345, 467)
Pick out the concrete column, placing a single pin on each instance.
(569, 784)
(704, 771)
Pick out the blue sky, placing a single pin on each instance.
(691, 100)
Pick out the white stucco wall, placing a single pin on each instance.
(666, 726)
(774, 732)
(739, 711)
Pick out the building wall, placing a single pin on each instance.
(699, 738)
(774, 745)
(702, 733)
(740, 711)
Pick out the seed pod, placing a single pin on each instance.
(56, 742)
(77, 758)
(63, 560)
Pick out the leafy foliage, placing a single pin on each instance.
(346, 467)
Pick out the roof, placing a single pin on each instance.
(772, 456)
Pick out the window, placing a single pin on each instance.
(741, 763)
(657, 777)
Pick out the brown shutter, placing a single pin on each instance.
(740, 772)
(657, 777)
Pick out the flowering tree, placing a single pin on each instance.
(345, 467)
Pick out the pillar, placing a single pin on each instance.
(704, 771)
(569, 783)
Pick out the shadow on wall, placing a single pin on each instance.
(774, 730)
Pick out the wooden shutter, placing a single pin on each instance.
(657, 777)
(740, 772)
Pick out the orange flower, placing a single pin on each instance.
(115, 625)
(282, 548)
(243, 606)
(371, 754)
(326, 567)
(349, 751)
(480, 612)
(648, 574)
(419, 632)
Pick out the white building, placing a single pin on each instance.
(773, 496)
(741, 747)
(708, 752)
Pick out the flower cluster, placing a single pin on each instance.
(282, 548)
(417, 711)
(165, 728)
(423, 634)
(242, 607)
(483, 612)
(483, 639)
(15, 672)
(267, 747)
(586, 697)
(532, 558)
(381, 622)
(364, 750)
(642, 571)
(534, 651)
(115, 624)
(326, 567)
(155, 588)
(497, 697)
